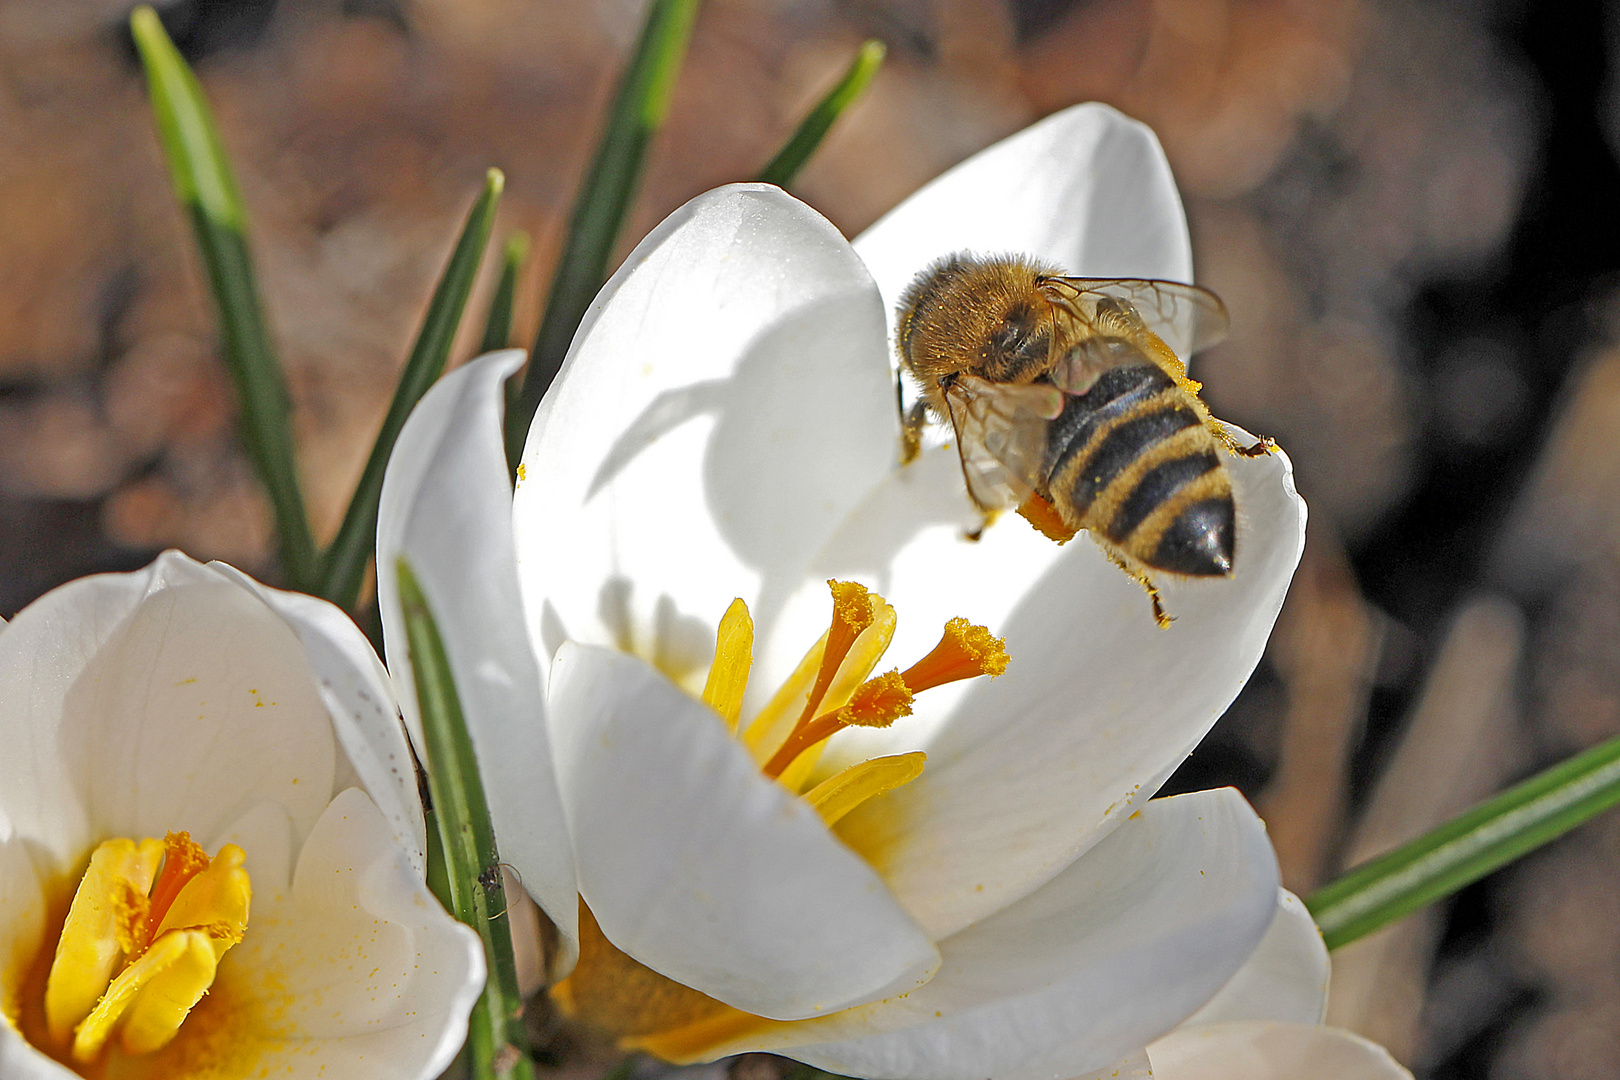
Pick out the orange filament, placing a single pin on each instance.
(965, 652)
(853, 612)
(182, 861)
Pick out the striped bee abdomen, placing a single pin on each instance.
(1131, 461)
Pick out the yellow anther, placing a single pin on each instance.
(154, 993)
(733, 657)
(99, 924)
(215, 901)
(965, 652)
(838, 795)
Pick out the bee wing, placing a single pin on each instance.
(1001, 437)
(1186, 317)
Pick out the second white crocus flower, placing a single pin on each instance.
(211, 846)
(724, 429)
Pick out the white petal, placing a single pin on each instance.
(22, 928)
(1086, 189)
(1108, 956)
(700, 867)
(724, 405)
(167, 699)
(447, 507)
(1133, 1066)
(1286, 978)
(1097, 707)
(1271, 1051)
(357, 692)
(356, 970)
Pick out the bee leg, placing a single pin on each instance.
(1160, 616)
(911, 427)
(1263, 446)
(1266, 445)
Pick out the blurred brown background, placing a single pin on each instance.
(1409, 207)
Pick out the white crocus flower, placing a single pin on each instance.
(162, 718)
(725, 429)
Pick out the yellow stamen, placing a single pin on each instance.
(965, 652)
(167, 929)
(877, 702)
(156, 991)
(733, 657)
(99, 924)
(838, 795)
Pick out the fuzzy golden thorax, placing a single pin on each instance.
(980, 316)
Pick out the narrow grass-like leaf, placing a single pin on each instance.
(498, 322)
(472, 864)
(639, 109)
(204, 184)
(344, 566)
(1468, 847)
(797, 150)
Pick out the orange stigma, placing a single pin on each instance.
(965, 651)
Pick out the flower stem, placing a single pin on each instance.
(206, 188)
(1468, 847)
(344, 565)
(639, 109)
(495, 1041)
(785, 166)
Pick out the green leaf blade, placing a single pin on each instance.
(786, 165)
(205, 186)
(498, 321)
(1468, 847)
(640, 107)
(344, 565)
(471, 861)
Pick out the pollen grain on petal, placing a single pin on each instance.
(966, 651)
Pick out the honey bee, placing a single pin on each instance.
(1068, 403)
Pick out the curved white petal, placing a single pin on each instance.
(1111, 954)
(1285, 979)
(1086, 189)
(1133, 1066)
(447, 508)
(134, 704)
(703, 869)
(724, 405)
(1097, 706)
(355, 687)
(354, 971)
(22, 929)
(1271, 1051)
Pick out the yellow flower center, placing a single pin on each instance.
(831, 689)
(140, 945)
